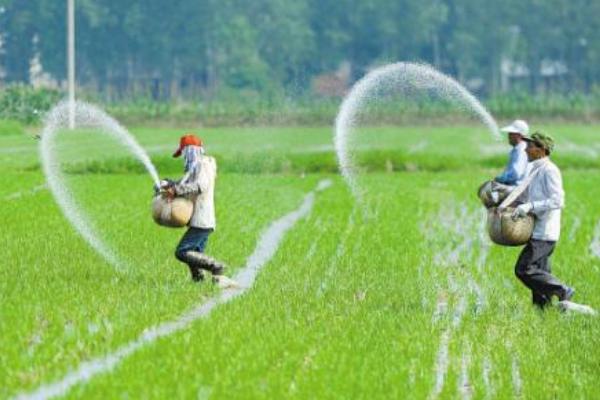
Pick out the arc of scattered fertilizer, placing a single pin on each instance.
(88, 116)
(264, 251)
(418, 75)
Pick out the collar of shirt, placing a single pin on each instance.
(539, 162)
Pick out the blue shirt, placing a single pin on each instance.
(514, 172)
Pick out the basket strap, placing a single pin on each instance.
(520, 189)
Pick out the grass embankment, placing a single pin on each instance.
(310, 150)
(28, 105)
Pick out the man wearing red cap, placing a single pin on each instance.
(198, 185)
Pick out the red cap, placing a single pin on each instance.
(187, 140)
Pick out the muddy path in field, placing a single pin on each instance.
(595, 243)
(328, 278)
(452, 234)
(459, 247)
(576, 224)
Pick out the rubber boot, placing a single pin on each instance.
(197, 273)
(203, 261)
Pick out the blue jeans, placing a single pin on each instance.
(194, 239)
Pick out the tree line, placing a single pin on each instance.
(211, 48)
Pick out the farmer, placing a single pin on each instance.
(197, 184)
(514, 172)
(516, 168)
(544, 198)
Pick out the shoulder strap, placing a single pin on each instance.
(520, 189)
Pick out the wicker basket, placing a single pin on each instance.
(505, 231)
(173, 213)
(485, 193)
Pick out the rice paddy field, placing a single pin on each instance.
(403, 296)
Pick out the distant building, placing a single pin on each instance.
(333, 84)
(37, 76)
(552, 73)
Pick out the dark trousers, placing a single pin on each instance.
(194, 239)
(534, 270)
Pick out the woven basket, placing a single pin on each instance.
(505, 231)
(485, 194)
(173, 213)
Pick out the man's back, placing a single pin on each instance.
(204, 209)
(546, 194)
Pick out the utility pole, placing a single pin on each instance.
(71, 60)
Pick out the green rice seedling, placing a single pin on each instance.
(404, 299)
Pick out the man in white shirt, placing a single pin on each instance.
(544, 198)
(198, 185)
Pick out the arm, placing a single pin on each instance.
(515, 168)
(187, 185)
(198, 180)
(556, 194)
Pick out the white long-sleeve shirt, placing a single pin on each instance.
(199, 186)
(546, 195)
